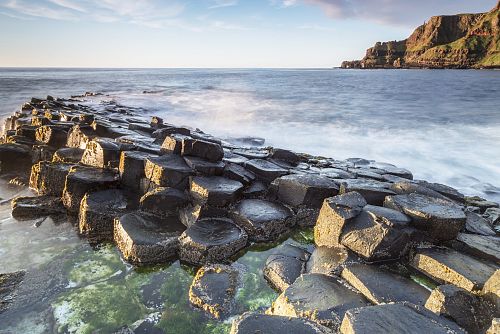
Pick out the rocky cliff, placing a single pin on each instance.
(453, 41)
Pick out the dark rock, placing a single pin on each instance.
(265, 170)
(467, 310)
(252, 323)
(447, 191)
(491, 292)
(98, 210)
(307, 190)
(408, 187)
(27, 208)
(173, 144)
(382, 287)
(8, 286)
(449, 266)
(329, 260)
(205, 167)
(441, 218)
(396, 318)
(214, 190)
(285, 155)
(15, 158)
(214, 288)
(336, 173)
(146, 239)
(132, 168)
(80, 135)
(263, 220)
(493, 215)
(256, 189)
(230, 157)
(52, 135)
(156, 122)
(192, 213)
(42, 153)
(211, 240)
(168, 171)
(495, 326)
(81, 180)
(484, 247)
(323, 299)
(48, 178)
(162, 133)
(68, 155)
(373, 191)
(164, 201)
(238, 173)
(252, 153)
(202, 149)
(477, 224)
(481, 203)
(283, 267)
(101, 153)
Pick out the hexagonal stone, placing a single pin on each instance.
(307, 189)
(238, 173)
(68, 155)
(49, 178)
(440, 218)
(251, 323)
(263, 220)
(491, 291)
(211, 240)
(168, 171)
(284, 266)
(52, 135)
(15, 158)
(477, 224)
(214, 190)
(329, 260)
(382, 287)
(396, 318)
(202, 149)
(214, 288)
(323, 299)
(27, 208)
(373, 191)
(81, 180)
(98, 211)
(192, 213)
(146, 239)
(265, 170)
(252, 153)
(164, 201)
(445, 190)
(205, 167)
(335, 213)
(449, 266)
(408, 187)
(131, 168)
(80, 135)
(173, 144)
(480, 246)
(101, 153)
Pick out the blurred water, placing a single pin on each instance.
(444, 125)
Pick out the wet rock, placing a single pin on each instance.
(251, 323)
(442, 219)
(101, 153)
(168, 171)
(335, 213)
(8, 285)
(396, 318)
(481, 203)
(202, 149)
(215, 190)
(164, 201)
(81, 180)
(48, 178)
(173, 144)
(68, 155)
(477, 224)
(265, 170)
(80, 135)
(381, 286)
(484, 247)
(373, 191)
(147, 239)
(252, 153)
(230, 157)
(256, 189)
(238, 173)
(449, 266)
(98, 210)
(168, 130)
(263, 220)
(192, 213)
(447, 191)
(408, 187)
(493, 215)
(467, 310)
(336, 173)
(323, 299)
(42, 153)
(131, 168)
(308, 190)
(213, 289)
(27, 208)
(285, 155)
(283, 267)
(52, 135)
(205, 167)
(15, 158)
(329, 260)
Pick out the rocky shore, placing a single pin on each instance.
(163, 192)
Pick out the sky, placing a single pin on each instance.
(208, 33)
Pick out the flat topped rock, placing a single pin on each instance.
(205, 167)
(305, 189)
(449, 266)
(266, 170)
(146, 239)
(215, 190)
(485, 247)
(230, 157)
(396, 318)
(284, 266)
(202, 149)
(164, 201)
(252, 323)
(263, 220)
(238, 173)
(373, 191)
(323, 299)
(329, 260)
(214, 288)
(27, 208)
(211, 240)
(445, 190)
(382, 287)
(477, 224)
(131, 167)
(441, 218)
(168, 171)
(252, 153)
(68, 155)
(14, 158)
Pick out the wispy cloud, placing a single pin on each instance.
(68, 4)
(38, 10)
(223, 3)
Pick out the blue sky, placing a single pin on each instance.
(207, 33)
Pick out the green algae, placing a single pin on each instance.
(304, 236)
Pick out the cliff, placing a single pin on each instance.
(451, 41)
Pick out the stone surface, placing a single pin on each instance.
(265, 170)
(445, 190)
(202, 149)
(484, 247)
(205, 167)
(238, 173)
(27, 208)
(284, 266)
(491, 291)
(253, 323)
(52, 135)
(173, 144)
(308, 190)
(101, 153)
(131, 168)
(168, 171)
(263, 220)
(15, 158)
(80, 135)
(214, 288)
(396, 318)
(408, 187)
(440, 218)
(49, 178)
(449, 266)
(164, 201)
(382, 287)
(214, 190)
(8, 285)
(373, 191)
(252, 153)
(68, 155)
(192, 213)
(323, 299)
(211, 240)
(495, 326)
(98, 211)
(477, 224)
(329, 260)
(481, 203)
(146, 239)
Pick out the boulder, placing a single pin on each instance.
(252, 323)
(131, 168)
(27, 208)
(101, 153)
(373, 191)
(475, 223)
(205, 167)
(48, 178)
(164, 201)
(284, 266)
(320, 298)
(81, 180)
(484, 247)
(98, 211)
(449, 266)
(68, 155)
(263, 220)
(15, 158)
(467, 310)
(168, 171)
(168, 130)
(211, 240)
(214, 289)
(442, 219)
(52, 135)
(396, 318)
(214, 190)
(305, 190)
(382, 287)
(285, 155)
(146, 239)
(202, 149)
(238, 173)
(335, 213)
(329, 260)
(265, 170)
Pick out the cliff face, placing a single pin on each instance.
(452, 41)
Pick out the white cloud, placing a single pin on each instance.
(68, 4)
(223, 3)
